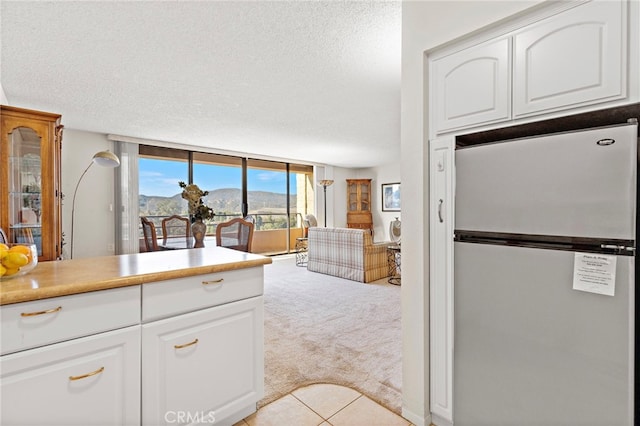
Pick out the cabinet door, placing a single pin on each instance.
(94, 380)
(472, 86)
(441, 198)
(571, 59)
(204, 365)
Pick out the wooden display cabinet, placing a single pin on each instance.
(359, 204)
(30, 175)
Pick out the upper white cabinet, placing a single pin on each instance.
(472, 86)
(571, 59)
(561, 56)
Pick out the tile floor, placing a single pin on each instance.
(324, 405)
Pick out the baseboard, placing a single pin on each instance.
(414, 418)
(439, 421)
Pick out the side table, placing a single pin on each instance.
(394, 263)
(301, 251)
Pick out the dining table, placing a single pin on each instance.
(180, 243)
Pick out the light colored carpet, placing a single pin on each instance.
(324, 329)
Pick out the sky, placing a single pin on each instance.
(161, 177)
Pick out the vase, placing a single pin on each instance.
(199, 230)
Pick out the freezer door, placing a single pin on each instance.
(530, 350)
(576, 184)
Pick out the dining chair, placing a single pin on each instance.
(149, 233)
(235, 234)
(3, 237)
(175, 227)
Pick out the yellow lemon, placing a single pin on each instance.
(24, 250)
(3, 270)
(10, 271)
(3, 252)
(14, 260)
(4, 246)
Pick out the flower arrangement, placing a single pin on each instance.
(197, 208)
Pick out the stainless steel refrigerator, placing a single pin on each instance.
(545, 280)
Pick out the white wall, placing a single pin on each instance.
(3, 97)
(425, 25)
(94, 219)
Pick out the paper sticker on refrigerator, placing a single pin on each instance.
(595, 273)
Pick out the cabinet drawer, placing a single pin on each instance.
(93, 380)
(172, 297)
(31, 324)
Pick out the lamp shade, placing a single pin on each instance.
(106, 159)
(326, 182)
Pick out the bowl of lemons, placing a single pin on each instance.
(17, 259)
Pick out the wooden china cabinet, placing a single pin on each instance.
(359, 204)
(30, 192)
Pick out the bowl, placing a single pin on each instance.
(17, 260)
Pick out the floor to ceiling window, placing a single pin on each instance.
(160, 170)
(276, 194)
(221, 175)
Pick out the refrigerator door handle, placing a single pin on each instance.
(440, 201)
(618, 247)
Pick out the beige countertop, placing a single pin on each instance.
(65, 277)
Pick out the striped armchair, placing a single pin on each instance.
(347, 253)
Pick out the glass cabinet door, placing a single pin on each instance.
(364, 196)
(352, 191)
(25, 187)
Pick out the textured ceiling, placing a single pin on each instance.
(313, 81)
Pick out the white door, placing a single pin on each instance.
(203, 366)
(441, 183)
(571, 59)
(93, 380)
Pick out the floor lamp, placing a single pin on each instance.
(102, 158)
(325, 183)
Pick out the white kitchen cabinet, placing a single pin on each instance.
(72, 357)
(441, 188)
(571, 59)
(562, 56)
(472, 86)
(204, 366)
(93, 380)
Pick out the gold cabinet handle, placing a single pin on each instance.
(84, 376)
(48, 311)
(218, 281)
(186, 344)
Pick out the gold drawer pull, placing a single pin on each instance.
(186, 344)
(84, 376)
(49, 311)
(218, 281)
